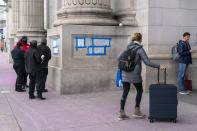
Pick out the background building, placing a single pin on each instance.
(85, 37)
(2, 16)
(2, 21)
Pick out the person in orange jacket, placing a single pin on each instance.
(25, 47)
(1, 46)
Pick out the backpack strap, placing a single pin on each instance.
(139, 47)
(178, 42)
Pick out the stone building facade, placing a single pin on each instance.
(86, 36)
(2, 16)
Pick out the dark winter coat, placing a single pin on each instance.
(184, 52)
(32, 60)
(18, 57)
(46, 51)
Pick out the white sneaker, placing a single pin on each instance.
(189, 91)
(184, 93)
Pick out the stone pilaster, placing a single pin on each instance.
(9, 39)
(31, 22)
(127, 16)
(9, 19)
(85, 12)
(17, 15)
(13, 18)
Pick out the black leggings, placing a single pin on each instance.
(126, 88)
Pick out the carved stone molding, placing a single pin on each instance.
(87, 3)
(85, 12)
(31, 33)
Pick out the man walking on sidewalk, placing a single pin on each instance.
(45, 53)
(185, 59)
(32, 66)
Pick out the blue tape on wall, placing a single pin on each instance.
(55, 46)
(101, 42)
(99, 46)
(96, 50)
(80, 43)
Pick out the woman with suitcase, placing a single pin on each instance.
(134, 76)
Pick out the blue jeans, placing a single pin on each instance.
(182, 71)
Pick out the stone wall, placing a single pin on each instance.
(79, 72)
(167, 21)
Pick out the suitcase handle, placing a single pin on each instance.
(164, 76)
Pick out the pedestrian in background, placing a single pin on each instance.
(1, 46)
(45, 53)
(25, 47)
(185, 58)
(32, 66)
(19, 66)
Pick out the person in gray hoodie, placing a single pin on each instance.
(135, 76)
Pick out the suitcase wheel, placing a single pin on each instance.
(151, 120)
(174, 121)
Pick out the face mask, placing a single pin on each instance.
(24, 41)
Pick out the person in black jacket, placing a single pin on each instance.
(45, 53)
(19, 66)
(32, 66)
(25, 47)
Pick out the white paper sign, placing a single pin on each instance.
(99, 50)
(55, 50)
(90, 50)
(101, 42)
(81, 43)
(54, 42)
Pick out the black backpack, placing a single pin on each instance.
(127, 59)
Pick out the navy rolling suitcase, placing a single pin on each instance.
(163, 101)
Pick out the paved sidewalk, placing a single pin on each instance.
(80, 112)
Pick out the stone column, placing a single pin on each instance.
(31, 21)
(9, 18)
(127, 16)
(17, 15)
(13, 22)
(85, 12)
(9, 39)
